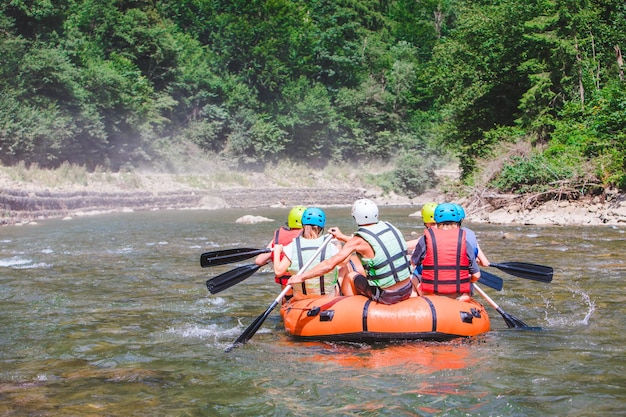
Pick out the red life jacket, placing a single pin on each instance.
(445, 265)
(284, 236)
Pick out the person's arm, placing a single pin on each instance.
(474, 269)
(419, 252)
(264, 258)
(338, 234)
(324, 267)
(482, 258)
(280, 265)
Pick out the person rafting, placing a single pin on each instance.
(384, 272)
(283, 236)
(447, 258)
(293, 256)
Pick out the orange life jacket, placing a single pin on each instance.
(284, 236)
(445, 265)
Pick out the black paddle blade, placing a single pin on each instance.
(252, 328)
(511, 321)
(525, 270)
(230, 278)
(491, 280)
(228, 256)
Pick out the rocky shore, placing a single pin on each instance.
(24, 203)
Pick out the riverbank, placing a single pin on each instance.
(23, 202)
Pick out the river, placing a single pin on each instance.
(109, 315)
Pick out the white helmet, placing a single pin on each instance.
(365, 211)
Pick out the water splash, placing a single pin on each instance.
(14, 262)
(561, 319)
(17, 262)
(591, 305)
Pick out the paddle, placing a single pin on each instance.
(490, 280)
(510, 320)
(524, 270)
(256, 324)
(230, 278)
(229, 256)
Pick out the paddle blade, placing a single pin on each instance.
(525, 270)
(491, 280)
(230, 278)
(511, 321)
(228, 256)
(252, 328)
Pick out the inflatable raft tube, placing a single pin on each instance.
(356, 319)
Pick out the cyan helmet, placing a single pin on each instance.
(294, 219)
(428, 212)
(461, 211)
(447, 212)
(314, 216)
(365, 211)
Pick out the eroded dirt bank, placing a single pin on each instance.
(18, 206)
(26, 202)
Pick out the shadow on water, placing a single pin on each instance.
(110, 315)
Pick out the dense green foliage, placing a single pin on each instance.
(105, 83)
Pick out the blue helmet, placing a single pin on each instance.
(447, 212)
(461, 211)
(314, 216)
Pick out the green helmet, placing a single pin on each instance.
(294, 220)
(428, 212)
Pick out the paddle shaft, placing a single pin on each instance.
(486, 297)
(256, 324)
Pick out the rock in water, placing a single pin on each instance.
(249, 219)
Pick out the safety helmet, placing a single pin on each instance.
(447, 212)
(314, 216)
(365, 211)
(294, 219)
(428, 212)
(461, 211)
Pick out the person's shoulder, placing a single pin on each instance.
(469, 233)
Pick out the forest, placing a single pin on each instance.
(121, 84)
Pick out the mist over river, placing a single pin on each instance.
(109, 315)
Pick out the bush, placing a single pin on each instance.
(532, 173)
(412, 176)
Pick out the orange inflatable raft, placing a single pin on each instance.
(356, 318)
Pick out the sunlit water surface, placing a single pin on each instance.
(110, 316)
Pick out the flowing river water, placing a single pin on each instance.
(109, 316)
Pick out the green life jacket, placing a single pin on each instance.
(390, 263)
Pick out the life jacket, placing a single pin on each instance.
(301, 252)
(284, 236)
(445, 265)
(390, 263)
